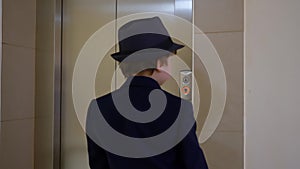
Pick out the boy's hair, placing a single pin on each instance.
(130, 68)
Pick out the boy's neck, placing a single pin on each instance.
(148, 75)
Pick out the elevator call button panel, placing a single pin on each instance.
(186, 84)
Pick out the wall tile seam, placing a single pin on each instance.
(234, 31)
(229, 131)
(18, 119)
(17, 45)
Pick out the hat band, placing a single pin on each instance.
(164, 44)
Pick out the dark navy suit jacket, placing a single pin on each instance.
(187, 154)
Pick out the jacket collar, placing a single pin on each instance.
(141, 81)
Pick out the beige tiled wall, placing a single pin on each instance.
(219, 16)
(18, 79)
(222, 22)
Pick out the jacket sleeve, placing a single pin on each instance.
(96, 155)
(190, 152)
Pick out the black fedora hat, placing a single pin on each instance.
(141, 34)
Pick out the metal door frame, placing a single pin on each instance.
(58, 19)
(0, 60)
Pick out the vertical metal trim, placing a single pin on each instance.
(193, 49)
(116, 40)
(184, 9)
(57, 84)
(0, 62)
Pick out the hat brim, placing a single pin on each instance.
(119, 56)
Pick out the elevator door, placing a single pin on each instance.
(81, 19)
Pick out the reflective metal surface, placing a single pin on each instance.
(0, 58)
(80, 20)
(57, 84)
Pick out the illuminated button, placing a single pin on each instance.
(186, 90)
(186, 80)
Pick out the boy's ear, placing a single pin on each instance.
(158, 64)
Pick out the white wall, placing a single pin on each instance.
(272, 81)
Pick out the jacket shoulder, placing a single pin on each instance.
(177, 98)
